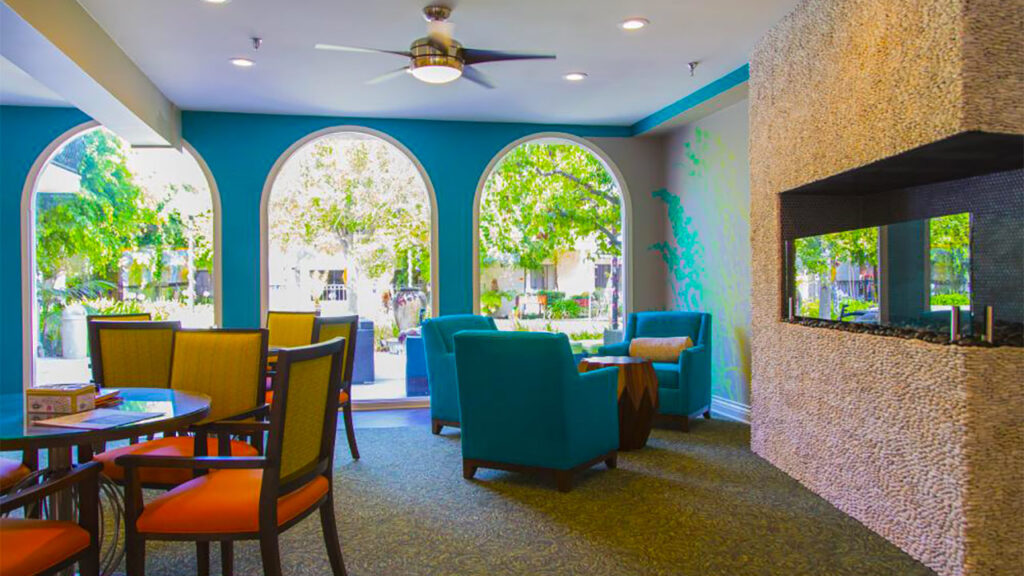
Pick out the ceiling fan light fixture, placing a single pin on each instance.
(632, 24)
(436, 73)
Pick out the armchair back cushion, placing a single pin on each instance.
(665, 325)
(438, 345)
(445, 327)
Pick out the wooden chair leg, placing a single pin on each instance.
(612, 462)
(227, 558)
(684, 423)
(203, 558)
(350, 430)
(468, 470)
(135, 556)
(563, 478)
(707, 414)
(270, 551)
(435, 428)
(330, 530)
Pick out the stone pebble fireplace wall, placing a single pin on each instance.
(923, 443)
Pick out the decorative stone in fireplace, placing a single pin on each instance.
(923, 443)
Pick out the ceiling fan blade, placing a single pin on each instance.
(336, 48)
(474, 56)
(477, 77)
(389, 75)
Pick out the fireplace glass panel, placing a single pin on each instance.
(907, 275)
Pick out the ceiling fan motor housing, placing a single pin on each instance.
(428, 53)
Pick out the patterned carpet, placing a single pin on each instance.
(698, 503)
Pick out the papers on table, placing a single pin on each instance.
(98, 419)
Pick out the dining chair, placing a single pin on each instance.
(229, 367)
(130, 317)
(251, 498)
(30, 546)
(290, 329)
(328, 328)
(131, 353)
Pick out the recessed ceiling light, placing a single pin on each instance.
(575, 76)
(216, 1)
(243, 62)
(634, 23)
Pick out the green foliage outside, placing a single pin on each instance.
(564, 309)
(491, 300)
(809, 309)
(950, 238)
(957, 299)
(358, 198)
(541, 201)
(85, 239)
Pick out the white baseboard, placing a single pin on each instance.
(730, 410)
(391, 404)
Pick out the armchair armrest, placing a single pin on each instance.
(81, 474)
(593, 411)
(618, 349)
(695, 376)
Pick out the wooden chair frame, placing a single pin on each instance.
(272, 488)
(346, 378)
(87, 478)
(95, 326)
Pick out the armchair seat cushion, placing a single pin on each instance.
(223, 502)
(29, 547)
(667, 373)
(168, 446)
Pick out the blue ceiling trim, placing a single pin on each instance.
(694, 99)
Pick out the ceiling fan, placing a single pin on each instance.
(438, 58)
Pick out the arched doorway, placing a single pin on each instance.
(551, 240)
(349, 229)
(109, 229)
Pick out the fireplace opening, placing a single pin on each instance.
(941, 261)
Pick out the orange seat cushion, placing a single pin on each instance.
(269, 398)
(29, 547)
(169, 446)
(11, 472)
(223, 501)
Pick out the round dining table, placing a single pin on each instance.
(177, 410)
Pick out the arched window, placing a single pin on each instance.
(551, 240)
(115, 230)
(349, 231)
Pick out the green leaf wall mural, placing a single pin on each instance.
(708, 252)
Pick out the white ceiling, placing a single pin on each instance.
(184, 47)
(17, 88)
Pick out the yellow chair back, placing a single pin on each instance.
(229, 366)
(307, 387)
(131, 354)
(290, 329)
(329, 328)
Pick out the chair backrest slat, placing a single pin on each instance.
(131, 353)
(229, 366)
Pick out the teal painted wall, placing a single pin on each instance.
(240, 150)
(706, 248)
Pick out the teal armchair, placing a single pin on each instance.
(440, 352)
(684, 387)
(525, 408)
